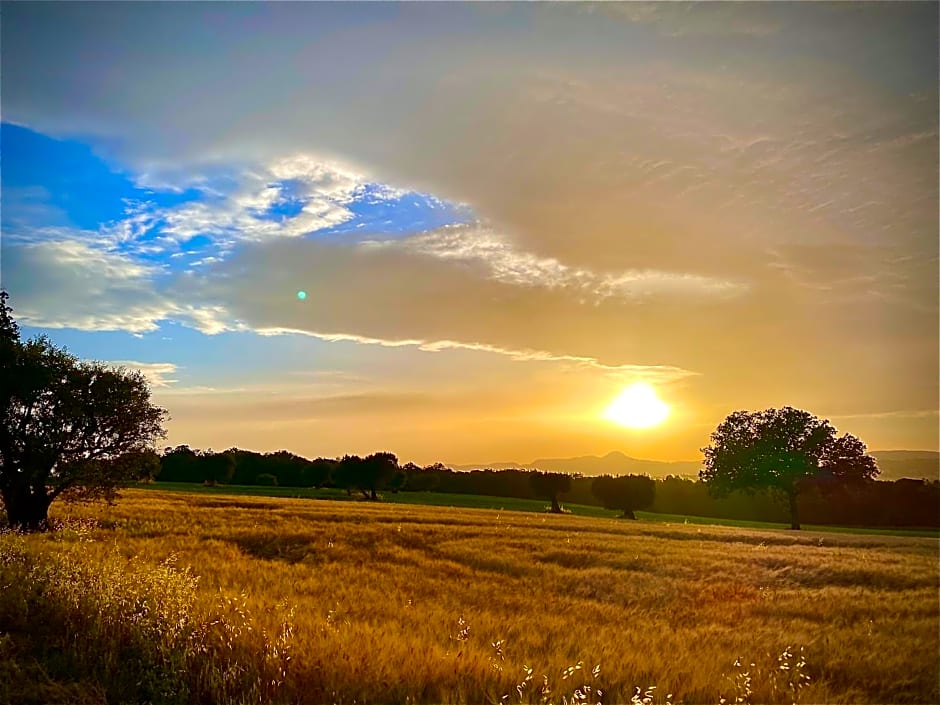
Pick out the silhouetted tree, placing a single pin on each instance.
(378, 471)
(346, 474)
(396, 482)
(369, 474)
(149, 461)
(626, 493)
(69, 428)
(549, 485)
(319, 472)
(778, 450)
(179, 464)
(418, 479)
(289, 469)
(216, 468)
(248, 465)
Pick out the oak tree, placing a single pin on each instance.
(626, 493)
(68, 428)
(781, 450)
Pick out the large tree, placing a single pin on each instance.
(626, 493)
(71, 429)
(781, 450)
(549, 485)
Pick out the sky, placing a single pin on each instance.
(501, 215)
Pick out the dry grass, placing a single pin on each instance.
(314, 602)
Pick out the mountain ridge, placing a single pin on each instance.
(894, 465)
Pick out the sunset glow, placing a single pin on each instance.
(457, 231)
(637, 406)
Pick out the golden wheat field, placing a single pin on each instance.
(171, 598)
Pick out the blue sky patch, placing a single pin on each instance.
(290, 203)
(376, 212)
(67, 176)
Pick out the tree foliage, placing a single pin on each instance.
(626, 493)
(69, 428)
(781, 450)
(183, 464)
(549, 485)
(217, 468)
(370, 474)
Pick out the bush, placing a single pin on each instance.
(266, 479)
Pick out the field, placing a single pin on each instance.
(181, 597)
(471, 501)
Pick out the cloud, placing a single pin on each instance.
(356, 295)
(69, 283)
(158, 374)
(320, 190)
(660, 373)
(900, 414)
(395, 294)
(72, 283)
(504, 262)
(683, 19)
(633, 156)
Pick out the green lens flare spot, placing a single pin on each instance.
(301, 295)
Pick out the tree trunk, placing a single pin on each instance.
(555, 508)
(628, 514)
(373, 496)
(27, 511)
(794, 511)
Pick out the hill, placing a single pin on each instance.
(894, 465)
(614, 463)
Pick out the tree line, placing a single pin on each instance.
(902, 503)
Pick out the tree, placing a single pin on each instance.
(781, 450)
(549, 485)
(179, 464)
(418, 479)
(289, 469)
(378, 471)
(369, 474)
(346, 474)
(216, 468)
(626, 493)
(69, 428)
(320, 472)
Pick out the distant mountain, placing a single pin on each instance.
(894, 464)
(614, 463)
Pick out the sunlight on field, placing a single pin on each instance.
(313, 601)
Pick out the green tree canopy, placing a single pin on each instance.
(780, 450)
(69, 428)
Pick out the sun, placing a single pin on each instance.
(637, 406)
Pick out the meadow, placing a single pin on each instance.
(181, 597)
